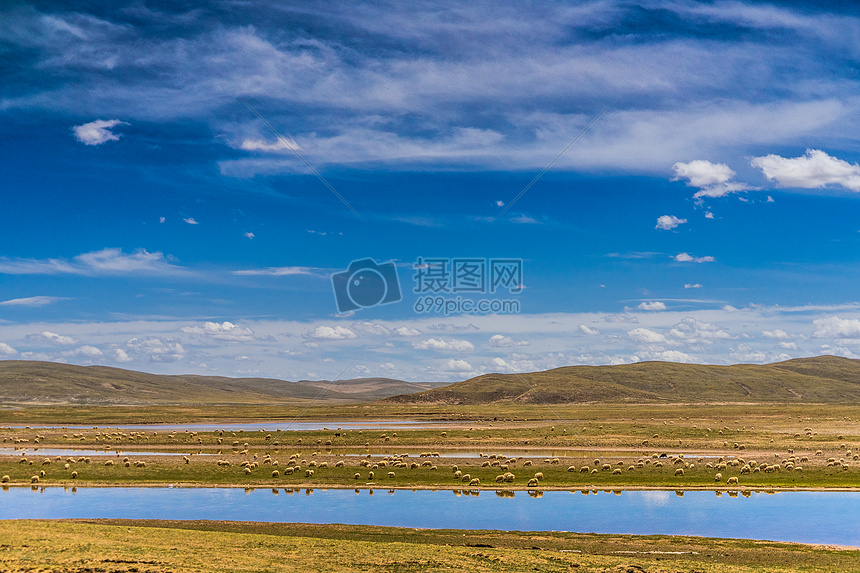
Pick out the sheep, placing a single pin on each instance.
(247, 471)
(458, 474)
(732, 481)
(34, 479)
(356, 476)
(616, 472)
(718, 477)
(509, 477)
(186, 459)
(606, 467)
(571, 468)
(309, 473)
(433, 468)
(474, 482)
(485, 465)
(4, 479)
(527, 463)
(370, 475)
(500, 478)
(275, 473)
(679, 472)
(339, 464)
(539, 476)
(74, 475)
(533, 482)
(583, 469)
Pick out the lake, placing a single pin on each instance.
(808, 517)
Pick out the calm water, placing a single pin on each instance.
(810, 517)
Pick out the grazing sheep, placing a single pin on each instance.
(391, 474)
(631, 468)
(532, 482)
(34, 479)
(606, 467)
(247, 471)
(458, 474)
(475, 482)
(679, 472)
(594, 472)
(732, 481)
(509, 477)
(616, 471)
(527, 463)
(370, 475)
(485, 465)
(356, 476)
(433, 468)
(718, 477)
(539, 476)
(583, 469)
(571, 468)
(276, 473)
(309, 473)
(339, 464)
(500, 478)
(4, 479)
(74, 475)
(186, 459)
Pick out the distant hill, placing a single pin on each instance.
(28, 382)
(818, 379)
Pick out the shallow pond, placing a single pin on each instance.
(810, 517)
(283, 425)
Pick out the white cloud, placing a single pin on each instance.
(249, 235)
(407, 331)
(645, 336)
(709, 215)
(835, 327)
(156, 349)
(97, 132)
(688, 258)
(712, 179)
(776, 334)
(693, 331)
(692, 285)
(501, 341)
(162, 219)
(7, 350)
(120, 355)
(32, 301)
(460, 366)
(788, 345)
(453, 345)
(332, 333)
(585, 329)
(373, 328)
(85, 351)
(281, 272)
(669, 356)
(191, 221)
(226, 331)
(668, 222)
(53, 338)
(279, 145)
(815, 169)
(629, 318)
(105, 262)
(654, 305)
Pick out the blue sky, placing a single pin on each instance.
(151, 220)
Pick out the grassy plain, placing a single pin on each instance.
(114, 546)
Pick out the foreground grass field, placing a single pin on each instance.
(114, 546)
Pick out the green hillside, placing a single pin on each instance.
(28, 382)
(819, 379)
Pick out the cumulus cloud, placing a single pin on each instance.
(815, 169)
(585, 329)
(53, 338)
(7, 350)
(645, 336)
(712, 179)
(693, 331)
(120, 355)
(86, 351)
(835, 327)
(332, 333)
(226, 331)
(32, 301)
(668, 222)
(460, 366)
(453, 345)
(692, 285)
(406, 331)
(776, 334)
(669, 356)
(688, 258)
(97, 132)
(156, 349)
(709, 215)
(652, 305)
(501, 341)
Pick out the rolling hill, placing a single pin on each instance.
(819, 379)
(28, 382)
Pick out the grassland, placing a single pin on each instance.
(637, 446)
(114, 546)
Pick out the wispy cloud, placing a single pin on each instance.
(688, 258)
(285, 272)
(33, 300)
(105, 262)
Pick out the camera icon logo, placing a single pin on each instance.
(365, 284)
